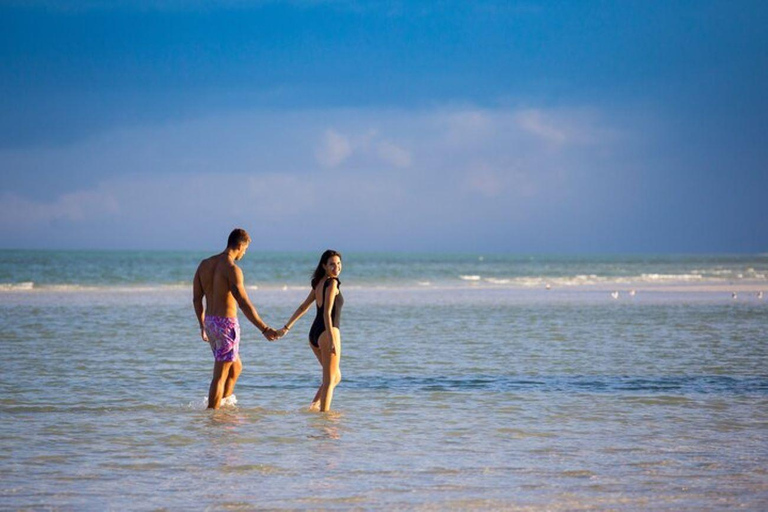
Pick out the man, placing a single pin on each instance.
(220, 281)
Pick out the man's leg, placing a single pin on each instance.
(216, 391)
(232, 375)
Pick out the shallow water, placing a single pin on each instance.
(457, 398)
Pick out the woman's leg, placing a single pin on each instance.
(331, 371)
(315, 405)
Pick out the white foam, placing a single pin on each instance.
(75, 288)
(230, 401)
(671, 277)
(198, 404)
(14, 287)
(549, 282)
(585, 277)
(590, 280)
(717, 272)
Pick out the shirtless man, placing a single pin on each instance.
(220, 281)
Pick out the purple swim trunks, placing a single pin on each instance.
(224, 337)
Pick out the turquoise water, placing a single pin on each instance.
(51, 269)
(457, 394)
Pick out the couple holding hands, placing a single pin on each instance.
(220, 281)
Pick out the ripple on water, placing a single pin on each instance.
(524, 434)
(263, 469)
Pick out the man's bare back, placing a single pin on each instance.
(216, 276)
(220, 281)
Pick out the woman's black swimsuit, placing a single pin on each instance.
(318, 326)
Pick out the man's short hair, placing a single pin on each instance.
(236, 237)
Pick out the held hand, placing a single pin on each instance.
(282, 332)
(270, 334)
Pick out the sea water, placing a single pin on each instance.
(469, 382)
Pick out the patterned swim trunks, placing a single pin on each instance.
(224, 337)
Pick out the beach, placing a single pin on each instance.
(553, 273)
(467, 385)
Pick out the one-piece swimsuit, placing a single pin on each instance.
(318, 326)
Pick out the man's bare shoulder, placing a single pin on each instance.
(204, 265)
(212, 259)
(207, 266)
(217, 264)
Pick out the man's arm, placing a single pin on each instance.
(197, 302)
(237, 287)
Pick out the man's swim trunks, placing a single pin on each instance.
(224, 337)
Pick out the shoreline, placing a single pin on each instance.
(16, 289)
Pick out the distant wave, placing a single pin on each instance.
(31, 287)
(651, 278)
(716, 278)
(12, 287)
(64, 288)
(593, 279)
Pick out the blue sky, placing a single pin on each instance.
(558, 127)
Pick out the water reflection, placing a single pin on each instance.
(326, 425)
(221, 432)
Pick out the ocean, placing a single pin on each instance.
(470, 382)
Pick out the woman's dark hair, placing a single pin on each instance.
(320, 270)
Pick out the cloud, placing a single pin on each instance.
(74, 207)
(486, 181)
(507, 182)
(536, 123)
(566, 127)
(393, 154)
(334, 149)
(467, 126)
(396, 175)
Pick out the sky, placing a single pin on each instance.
(409, 126)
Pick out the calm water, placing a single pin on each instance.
(479, 390)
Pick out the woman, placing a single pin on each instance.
(324, 336)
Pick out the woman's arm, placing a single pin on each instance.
(329, 300)
(298, 313)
